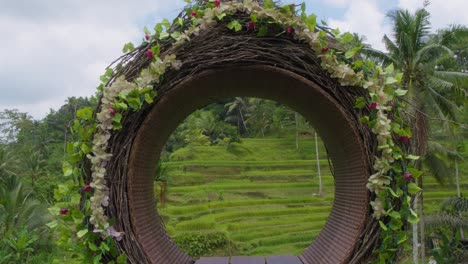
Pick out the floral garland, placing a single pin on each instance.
(382, 84)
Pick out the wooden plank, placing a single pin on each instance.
(247, 260)
(213, 260)
(285, 259)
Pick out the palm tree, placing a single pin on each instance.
(431, 89)
(34, 167)
(236, 111)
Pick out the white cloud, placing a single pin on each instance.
(54, 50)
(443, 12)
(364, 18)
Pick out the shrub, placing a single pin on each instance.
(198, 244)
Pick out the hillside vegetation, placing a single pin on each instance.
(259, 195)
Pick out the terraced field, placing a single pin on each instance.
(262, 194)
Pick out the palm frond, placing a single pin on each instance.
(460, 204)
(377, 56)
(437, 166)
(459, 79)
(431, 53)
(451, 220)
(448, 109)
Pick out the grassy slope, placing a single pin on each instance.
(262, 193)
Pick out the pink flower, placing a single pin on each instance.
(404, 139)
(149, 54)
(250, 25)
(408, 176)
(325, 49)
(290, 30)
(112, 111)
(147, 37)
(86, 188)
(217, 3)
(193, 14)
(64, 211)
(373, 106)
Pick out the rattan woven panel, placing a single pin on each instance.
(338, 239)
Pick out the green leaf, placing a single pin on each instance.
(324, 23)
(92, 246)
(81, 233)
(360, 103)
(146, 30)
(166, 23)
(180, 21)
(346, 38)
(121, 105)
(156, 49)
(390, 80)
(350, 53)
(263, 31)
(400, 92)
(395, 215)
(399, 77)
(253, 17)
(67, 169)
(235, 25)
(392, 192)
(413, 219)
(164, 35)
(401, 238)
(412, 157)
(311, 21)
(122, 259)
(364, 119)
(390, 69)
(413, 188)
(86, 148)
(117, 118)
(148, 98)
(129, 47)
(383, 226)
(221, 16)
(104, 247)
(158, 28)
(268, 4)
(416, 173)
(303, 7)
(52, 224)
(85, 113)
(175, 35)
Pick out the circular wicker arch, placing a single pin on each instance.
(290, 73)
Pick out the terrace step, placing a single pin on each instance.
(284, 259)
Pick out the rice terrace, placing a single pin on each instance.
(250, 132)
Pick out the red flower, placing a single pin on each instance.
(112, 111)
(250, 25)
(373, 106)
(408, 176)
(193, 14)
(64, 211)
(290, 30)
(404, 139)
(217, 3)
(325, 49)
(149, 54)
(147, 37)
(86, 188)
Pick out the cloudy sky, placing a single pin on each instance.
(51, 50)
